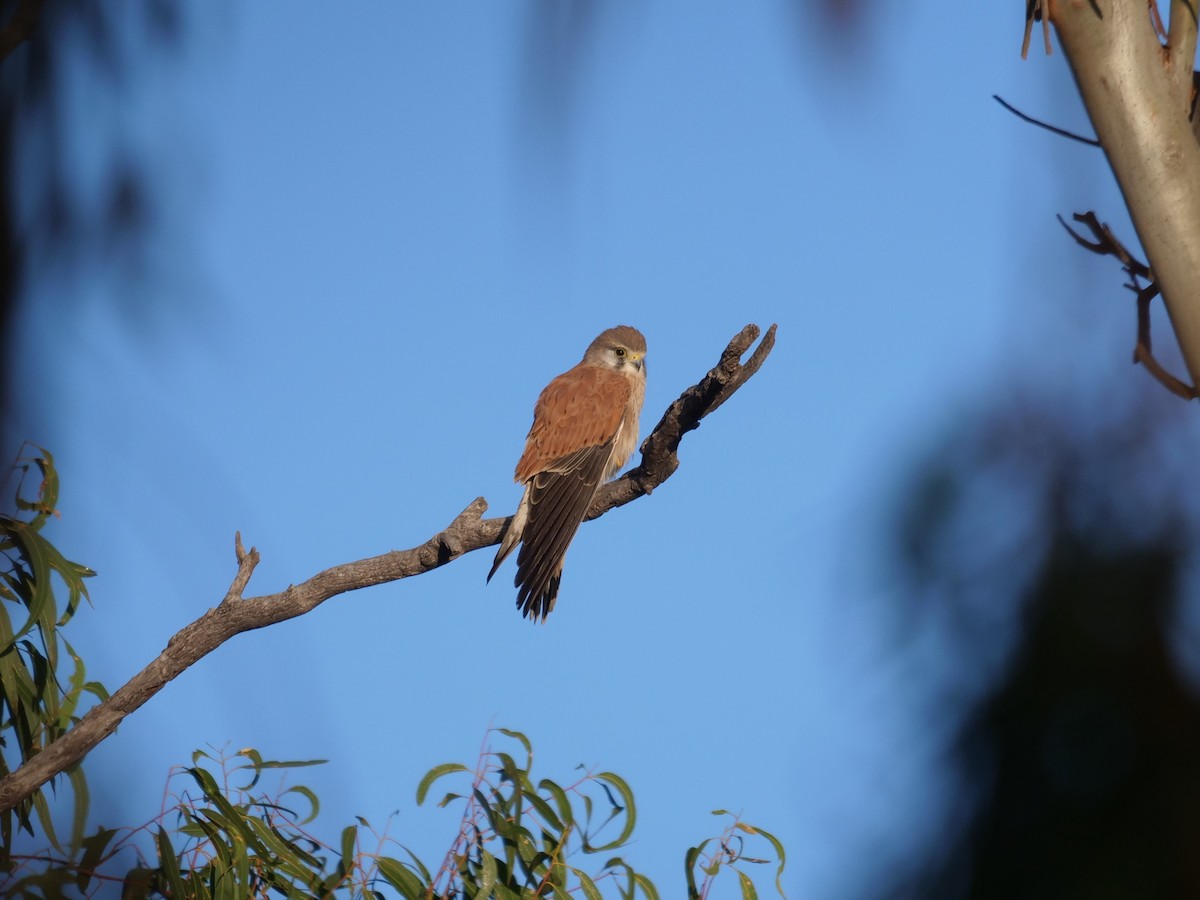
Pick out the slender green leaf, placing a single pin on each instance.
(81, 799)
(93, 850)
(647, 887)
(433, 775)
(291, 763)
(97, 690)
(545, 812)
(138, 881)
(241, 860)
(510, 770)
(218, 836)
(586, 885)
(72, 575)
(504, 892)
(349, 846)
(747, 885)
(779, 853)
(690, 859)
(47, 489)
(417, 866)
(38, 799)
(626, 805)
(401, 878)
(496, 822)
(565, 814)
(255, 765)
(516, 735)
(169, 865)
(226, 887)
(487, 874)
(296, 860)
(307, 794)
(41, 602)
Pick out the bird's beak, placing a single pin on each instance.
(639, 363)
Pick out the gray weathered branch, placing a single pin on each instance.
(469, 531)
(1138, 94)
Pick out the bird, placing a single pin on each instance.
(585, 428)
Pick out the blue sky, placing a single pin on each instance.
(385, 230)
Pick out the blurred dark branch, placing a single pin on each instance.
(468, 531)
(1106, 244)
(20, 26)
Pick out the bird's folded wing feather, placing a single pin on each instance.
(578, 410)
(559, 498)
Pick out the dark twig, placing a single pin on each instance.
(1062, 132)
(659, 450)
(1106, 244)
(469, 531)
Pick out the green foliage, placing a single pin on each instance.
(518, 838)
(222, 836)
(38, 701)
(732, 851)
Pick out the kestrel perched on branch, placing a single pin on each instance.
(585, 427)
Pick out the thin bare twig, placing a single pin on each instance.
(1062, 132)
(468, 531)
(1107, 244)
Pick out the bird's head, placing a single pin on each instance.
(622, 348)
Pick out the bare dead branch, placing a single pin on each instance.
(1062, 132)
(1144, 296)
(660, 450)
(1107, 244)
(1142, 354)
(246, 565)
(468, 531)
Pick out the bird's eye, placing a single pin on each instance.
(620, 351)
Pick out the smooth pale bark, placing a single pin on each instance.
(1138, 98)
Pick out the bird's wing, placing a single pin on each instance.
(558, 500)
(575, 424)
(579, 409)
